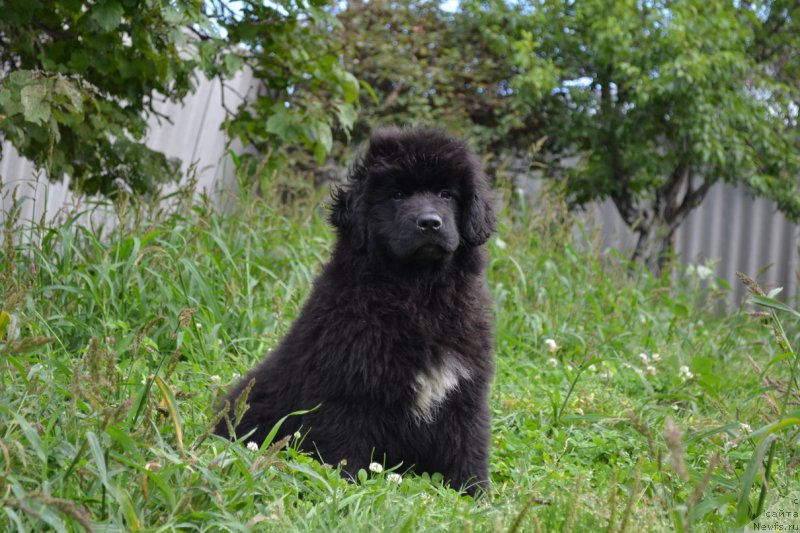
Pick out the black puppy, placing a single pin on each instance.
(395, 342)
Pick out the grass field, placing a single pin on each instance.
(648, 409)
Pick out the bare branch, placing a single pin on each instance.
(393, 95)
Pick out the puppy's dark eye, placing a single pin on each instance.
(398, 195)
(445, 194)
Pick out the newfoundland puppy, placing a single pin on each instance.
(394, 345)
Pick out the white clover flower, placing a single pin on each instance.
(551, 345)
(745, 428)
(252, 446)
(578, 410)
(500, 243)
(519, 191)
(644, 358)
(297, 435)
(685, 374)
(651, 370)
(592, 368)
(655, 358)
(376, 467)
(704, 272)
(394, 478)
(215, 379)
(728, 446)
(552, 361)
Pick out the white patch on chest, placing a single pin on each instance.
(432, 386)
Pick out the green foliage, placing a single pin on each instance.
(424, 65)
(664, 99)
(306, 92)
(114, 351)
(78, 80)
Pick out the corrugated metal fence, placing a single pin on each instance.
(730, 231)
(730, 227)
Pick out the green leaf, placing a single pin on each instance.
(324, 136)
(370, 91)
(108, 15)
(35, 108)
(323, 141)
(20, 78)
(774, 304)
(172, 14)
(64, 87)
(320, 153)
(5, 320)
(347, 116)
(232, 63)
(283, 125)
(350, 88)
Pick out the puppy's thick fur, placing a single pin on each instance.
(395, 342)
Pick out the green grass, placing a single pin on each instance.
(115, 349)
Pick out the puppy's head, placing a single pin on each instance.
(416, 196)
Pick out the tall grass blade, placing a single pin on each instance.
(169, 400)
(744, 509)
(772, 303)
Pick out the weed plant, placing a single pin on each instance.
(622, 402)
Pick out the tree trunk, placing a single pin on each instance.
(655, 245)
(657, 224)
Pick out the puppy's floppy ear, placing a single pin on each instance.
(477, 213)
(478, 219)
(344, 217)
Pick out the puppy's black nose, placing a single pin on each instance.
(429, 222)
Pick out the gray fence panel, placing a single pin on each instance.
(742, 234)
